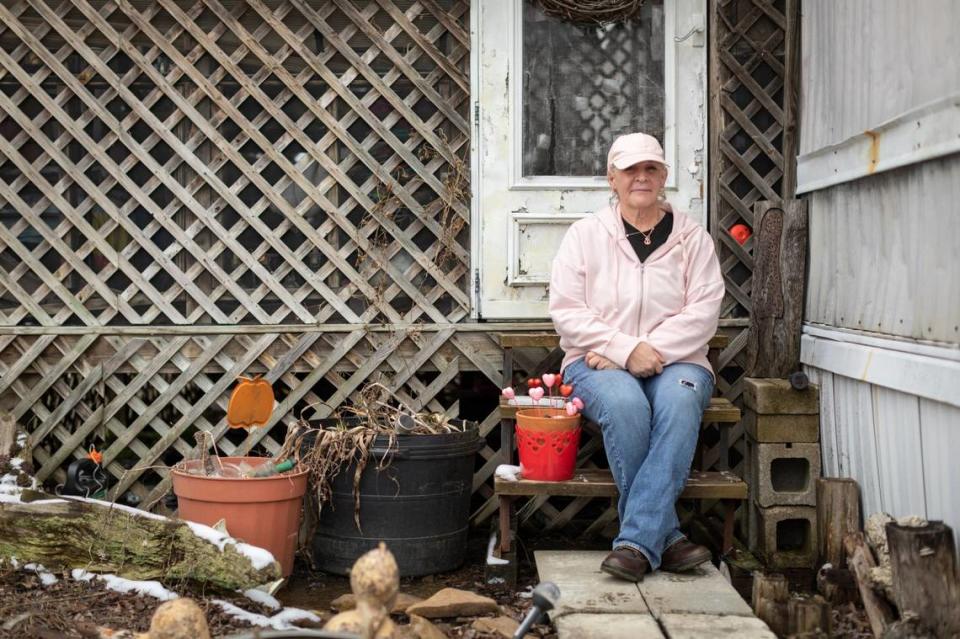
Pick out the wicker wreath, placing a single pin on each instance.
(596, 11)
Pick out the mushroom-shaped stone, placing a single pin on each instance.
(179, 619)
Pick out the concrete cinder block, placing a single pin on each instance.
(781, 428)
(769, 396)
(783, 474)
(784, 536)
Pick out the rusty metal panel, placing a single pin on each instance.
(868, 61)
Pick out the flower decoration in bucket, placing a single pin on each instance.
(551, 385)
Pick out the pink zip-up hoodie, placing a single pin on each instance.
(603, 299)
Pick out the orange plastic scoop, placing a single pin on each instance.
(251, 403)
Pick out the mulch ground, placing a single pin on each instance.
(72, 609)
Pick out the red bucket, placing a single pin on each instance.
(547, 446)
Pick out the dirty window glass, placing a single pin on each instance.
(585, 84)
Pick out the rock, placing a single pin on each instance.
(452, 602)
(349, 602)
(179, 619)
(423, 629)
(501, 626)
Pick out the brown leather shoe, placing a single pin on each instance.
(626, 563)
(683, 555)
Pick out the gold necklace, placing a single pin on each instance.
(646, 235)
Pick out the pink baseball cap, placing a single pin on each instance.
(631, 148)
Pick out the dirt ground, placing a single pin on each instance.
(72, 609)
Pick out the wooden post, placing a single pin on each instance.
(780, 257)
(861, 561)
(808, 615)
(925, 580)
(8, 434)
(838, 513)
(770, 595)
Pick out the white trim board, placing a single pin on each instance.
(923, 133)
(929, 377)
(939, 350)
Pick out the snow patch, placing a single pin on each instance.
(262, 598)
(280, 621)
(119, 584)
(46, 577)
(259, 558)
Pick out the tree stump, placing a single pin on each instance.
(838, 513)
(808, 615)
(780, 257)
(770, 596)
(925, 578)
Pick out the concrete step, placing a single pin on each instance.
(594, 605)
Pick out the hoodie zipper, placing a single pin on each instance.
(643, 292)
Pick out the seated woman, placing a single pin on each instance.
(635, 294)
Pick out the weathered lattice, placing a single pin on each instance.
(200, 163)
(141, 397)
(231, 165)
(752, 144)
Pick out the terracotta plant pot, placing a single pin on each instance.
(547, 419)
(261, 511)
(547, 442)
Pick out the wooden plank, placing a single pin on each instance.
(552, 340)
(597, 482)
(527, 340)
(861, 560)
(720, 411)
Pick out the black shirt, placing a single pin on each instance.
(657, 238)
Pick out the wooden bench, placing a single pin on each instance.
(597, 482)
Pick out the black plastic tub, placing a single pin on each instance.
(419, 504)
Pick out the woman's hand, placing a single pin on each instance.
(599, 362)
(644, 361)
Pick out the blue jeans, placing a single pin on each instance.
(650, 428)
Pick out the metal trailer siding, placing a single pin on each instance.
(867, 61)
(883, 300)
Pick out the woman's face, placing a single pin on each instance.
(637, 186)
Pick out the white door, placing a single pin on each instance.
(549, 97)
